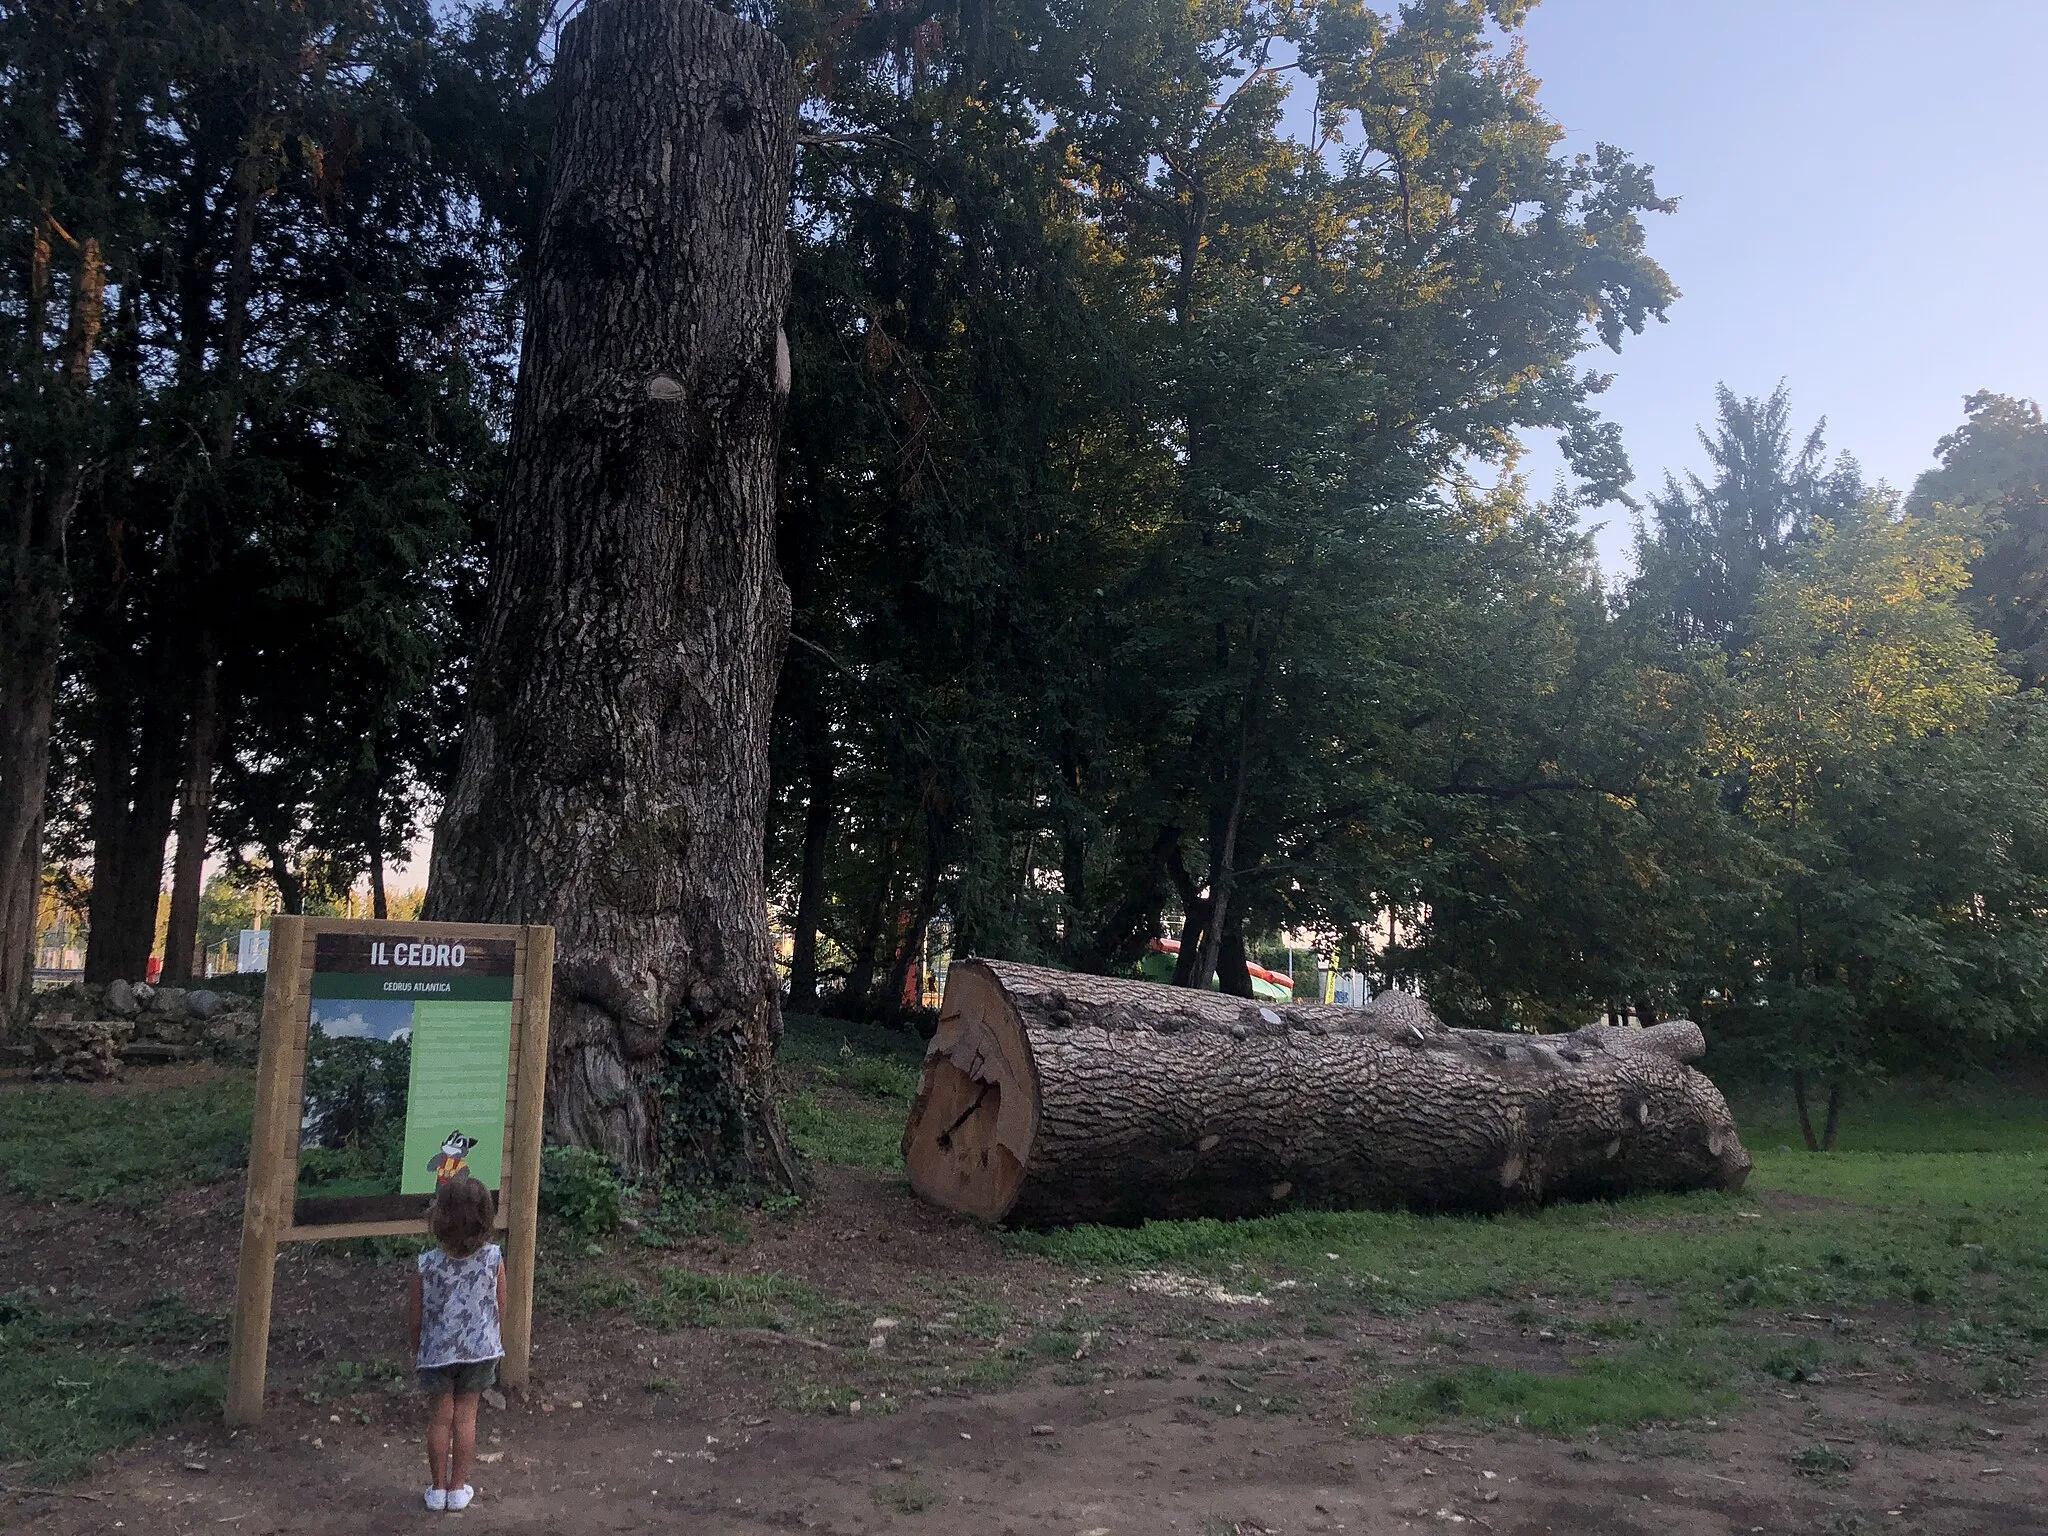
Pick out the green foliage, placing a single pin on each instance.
(70, 1143)
(286, 442)
(1123, 468)
(581, 1191)
(1996, 464)
(1706, 547)
(1894, 791)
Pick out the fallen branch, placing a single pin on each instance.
(770, 1336)
(47, 1493)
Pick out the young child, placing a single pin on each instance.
(452, 1313)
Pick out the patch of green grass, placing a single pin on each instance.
(906, 1495)
(1860, 1228)
(346, 1378)
(847, 1088)
(688, 1300)
(164, 1321)
(1793, 1363)
(810, 1041)
(1621, 1392)
(848, 1135)
(61, 1142)
(1983, 1115)
(1820, 1460)
(606, 1293)
(819, 1397)
(686, 1212)
(988, 1373)
(65, 1405)
(876, 1077)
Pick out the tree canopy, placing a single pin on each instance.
(1159, 562)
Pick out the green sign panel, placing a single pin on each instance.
(407, 1055)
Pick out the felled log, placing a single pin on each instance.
(1049, 1098)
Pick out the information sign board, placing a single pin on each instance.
(394, 1056)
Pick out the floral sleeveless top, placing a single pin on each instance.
(459, 1308)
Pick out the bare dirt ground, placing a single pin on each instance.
(996, 1393)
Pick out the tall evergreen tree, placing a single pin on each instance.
(1997, 463)
(1706, 546)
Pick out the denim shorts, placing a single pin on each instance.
(463, 1380)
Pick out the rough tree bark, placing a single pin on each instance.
(46, 472)
(1050, 1097)
(810, 897)
(182, 960)
(135, 787)
(614, 775)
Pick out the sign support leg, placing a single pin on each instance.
(270, 1180)
(523, 1218)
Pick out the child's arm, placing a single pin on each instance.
(413, 1303)
(501, 1286)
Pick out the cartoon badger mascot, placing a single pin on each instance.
(452, 1161)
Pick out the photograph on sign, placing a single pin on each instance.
(408, 1047)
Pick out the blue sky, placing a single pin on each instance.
(1863, 211)
(372, 1018)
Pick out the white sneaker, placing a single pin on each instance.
(458, 1498)
(437, 1498)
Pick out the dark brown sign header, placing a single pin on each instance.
(412, 955)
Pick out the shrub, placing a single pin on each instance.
(579, 1189)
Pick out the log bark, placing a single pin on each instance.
(1049, 1098)
(614, 775)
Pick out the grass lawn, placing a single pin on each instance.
(1933, 1216)
(80, 1384)
(847, 1089)
(1927, 1231)
(61, 1142)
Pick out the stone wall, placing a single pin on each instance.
(85, 1032)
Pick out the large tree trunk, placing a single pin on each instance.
(1050, 1098)
(182, 961)
(614, 776)
(135, 790)
(46, 455)
(816, 731)
(27, 701)
(30, 630)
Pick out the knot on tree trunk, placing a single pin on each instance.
(620, 1000)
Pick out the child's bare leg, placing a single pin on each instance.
(440, 1436)
(465, 1437)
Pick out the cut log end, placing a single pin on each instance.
(969, 1133)
(1050, 1098)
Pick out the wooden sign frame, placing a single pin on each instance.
(268, 1209)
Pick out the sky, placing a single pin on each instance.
(375, 1018)
(1862, 213)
